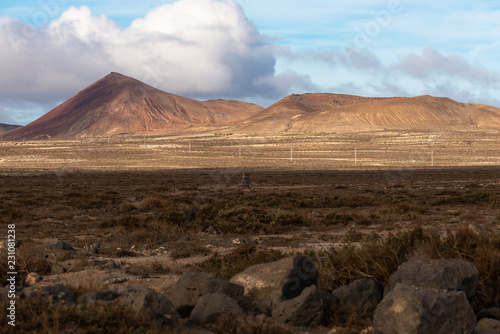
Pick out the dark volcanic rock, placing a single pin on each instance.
(306, 310)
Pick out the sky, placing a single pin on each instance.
(252, 50)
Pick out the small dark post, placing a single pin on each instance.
(245, 181)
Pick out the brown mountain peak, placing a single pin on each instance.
(118, 104)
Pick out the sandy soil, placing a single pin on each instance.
(320, 151)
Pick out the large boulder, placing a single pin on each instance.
(146, 301)
(414, 310)
(306, 310)
(362, 295)
(443, 274)
(211, 306)
(272, 283)
(488, 323)
(53, 294)
(192, 286)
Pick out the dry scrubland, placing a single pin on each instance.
(158, 210)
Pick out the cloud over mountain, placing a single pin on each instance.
(199, 48)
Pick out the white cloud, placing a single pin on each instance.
(197, 48)
(433, 63)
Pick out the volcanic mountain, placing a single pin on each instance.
(7, 127)
(346, 113)
(118, 104)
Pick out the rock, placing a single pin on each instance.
(492, 313)
(191, 286)
(272, 283)
(362, 295)
(411, 310)
(211, 306)
(450, 275)
(58, 269)
(489, 324)
(146, 301)
(306, 310)
(98, 296)
(61, 246)
(33, 278)
(55, 294)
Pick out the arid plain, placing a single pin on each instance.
(157, 207)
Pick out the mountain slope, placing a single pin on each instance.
(334, 112)
(118, 104)
(7, 127)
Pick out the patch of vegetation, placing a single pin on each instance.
(238, 260)
(34, 316)
(378, 259)
(470, 197)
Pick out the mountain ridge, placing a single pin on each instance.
(117, 104)
(325, 112)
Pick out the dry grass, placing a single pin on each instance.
(34, 316)
(112, 209)
(379, 259)
(238, 260)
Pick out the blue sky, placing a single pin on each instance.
(252, 50)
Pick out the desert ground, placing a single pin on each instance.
(157, 207)
(321, 151)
